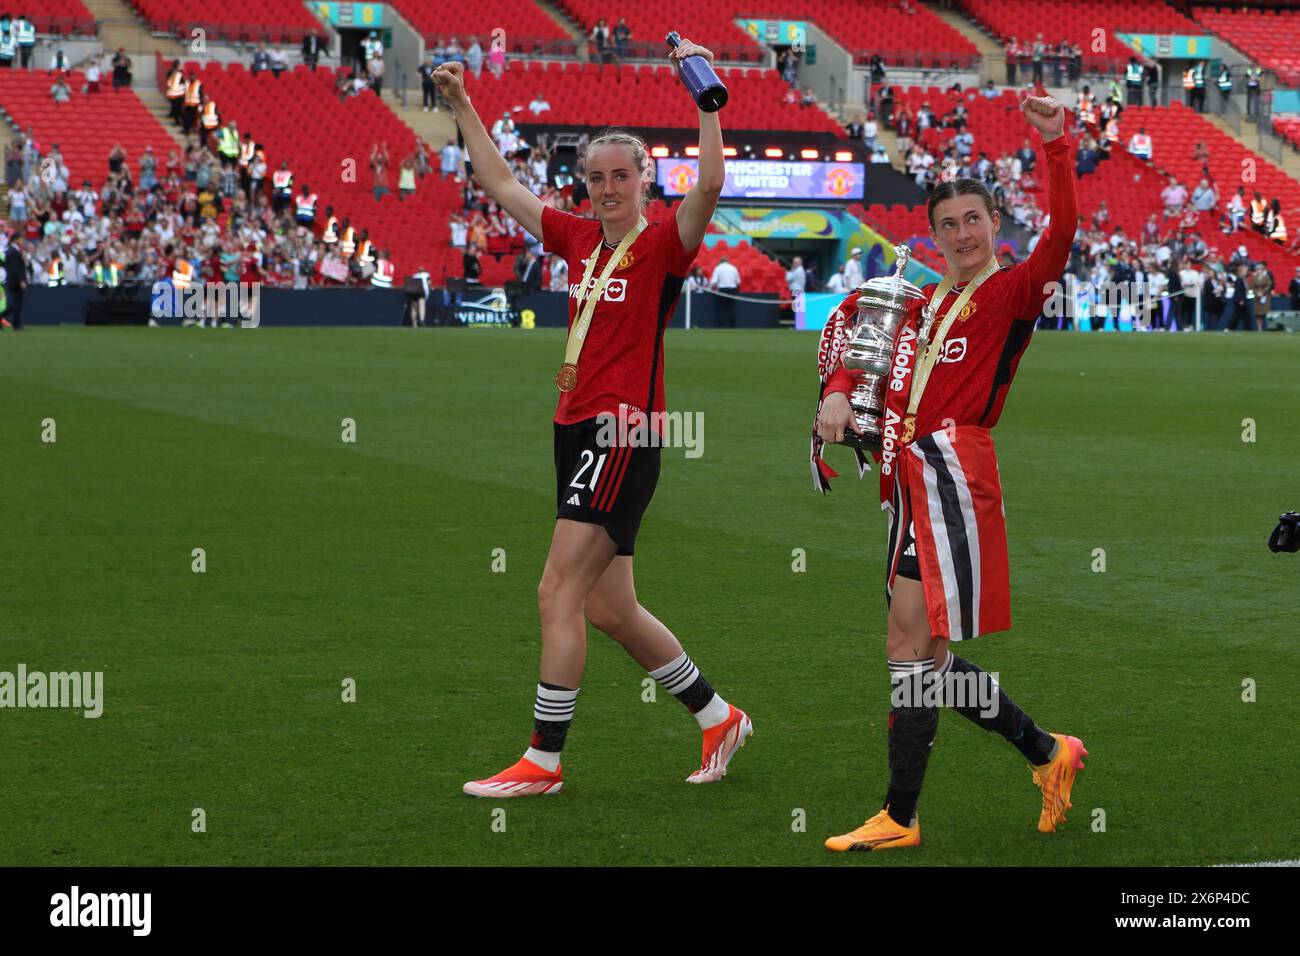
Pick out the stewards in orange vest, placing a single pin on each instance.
(182, 274)
(365, 252)
(54, 275)
(347, 240)
(209, 122)
(281, 188)
(1259, 213)
(330, 235)
(175, 91)
(193, 100)
(305, 209)
(1278, 233)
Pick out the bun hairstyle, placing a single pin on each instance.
(636, 148)
(958, 187)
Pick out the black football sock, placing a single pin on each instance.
(912, 729)
(976, 695)
(552, 715)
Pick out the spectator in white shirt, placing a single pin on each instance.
(459, 231)
(539, 104)
(796, 279)
(853, 269)
(837, 283)
(559, 274)
(726, 279)
(450, 160)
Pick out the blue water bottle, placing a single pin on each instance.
(698, 76)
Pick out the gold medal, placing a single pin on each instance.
(566, 379)
(909, 428)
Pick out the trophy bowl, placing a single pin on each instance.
(882, 304)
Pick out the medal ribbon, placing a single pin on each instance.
(925, 362)
(587, 303)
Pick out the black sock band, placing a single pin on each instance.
(552, 715)
(982, 700)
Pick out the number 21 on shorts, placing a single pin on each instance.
(588, 460)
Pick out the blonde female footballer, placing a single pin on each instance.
(629, 275)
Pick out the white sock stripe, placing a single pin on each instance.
(554, 705)
(911, 667)
(552, 713)
(551, 695)
(678, 675)
(672, 667)
(680, 684)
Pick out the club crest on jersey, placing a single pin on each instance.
(967, 311)
(954, 350)
(627, 260)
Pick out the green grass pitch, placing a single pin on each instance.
(372, 561)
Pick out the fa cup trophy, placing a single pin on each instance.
(882, 303)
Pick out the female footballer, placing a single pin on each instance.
(946, 566)
(631, 276)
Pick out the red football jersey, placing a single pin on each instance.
(622, 360)
(969, 383)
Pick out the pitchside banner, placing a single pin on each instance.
(770, 179)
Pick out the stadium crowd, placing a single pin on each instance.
(221, 212)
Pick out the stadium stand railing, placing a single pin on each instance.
(648, 97)
(919, 38)
(1269, 37)
(1024, 19)
(523, 28)
(60, 17)
(234, 21)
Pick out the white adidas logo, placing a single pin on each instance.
(573, 500)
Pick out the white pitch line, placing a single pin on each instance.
(1264, 863)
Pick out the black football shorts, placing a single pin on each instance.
(908, 565)
(609, 485)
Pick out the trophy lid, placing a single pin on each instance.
(891, 292)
